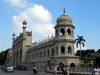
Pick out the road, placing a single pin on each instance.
(24, 73)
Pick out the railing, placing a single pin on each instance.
(83, 71)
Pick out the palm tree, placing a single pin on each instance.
(80, 42)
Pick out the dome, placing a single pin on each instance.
(10, 51)
(64, 19)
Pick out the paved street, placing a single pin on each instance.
(24, 73)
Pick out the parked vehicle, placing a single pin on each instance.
(3, 67)
(9, 68)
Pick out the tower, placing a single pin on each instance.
(64, 41)
(64, 33)
(24, 29)
(21, 44)
(24, 26)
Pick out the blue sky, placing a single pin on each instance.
(84, 13)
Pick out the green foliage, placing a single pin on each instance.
(79, 41)
(98, 51)
(3, 57)
(97, 61)
(97, 58)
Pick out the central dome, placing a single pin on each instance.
(64, 19)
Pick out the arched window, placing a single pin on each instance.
(72, 65)
(48, 53)
(28, 57)
(56, 50)
(68, 32)
(14, 57)
(69, 49)
(56, 32)
(62, 49)
(52, 52)
(20, 59)
(40, 54)
(32, 55)
(44, 53)
(37, 54)
(17, 57)
(62, 31)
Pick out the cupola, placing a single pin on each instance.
(64, 19)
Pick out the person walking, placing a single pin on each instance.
(64, 71)
(68, 70)
(35, 70)
(55, 69)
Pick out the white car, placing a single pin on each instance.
(9, 68)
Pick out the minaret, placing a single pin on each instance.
(24, 26)
(24, 29)
(13, 36)
(64, 32)
(64, 11)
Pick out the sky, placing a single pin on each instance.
(41, 16)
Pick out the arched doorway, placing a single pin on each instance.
(72, 65)
(60, 65)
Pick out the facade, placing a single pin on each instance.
(21, 44)
(89, 60)
(58, 49)
(10, 57)
(87, 57)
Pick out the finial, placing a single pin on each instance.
(13, 36)
(24, 22)
(64, 11)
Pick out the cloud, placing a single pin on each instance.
(38, 20)
(18, 3)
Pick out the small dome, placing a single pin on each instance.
(10, 51)
(64, 19)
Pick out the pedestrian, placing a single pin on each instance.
(35, 70)
(93, 71)
(55, 69)
(64, 71)
(68, 70)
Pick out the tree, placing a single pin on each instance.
(80, 42)
(98, 51)
(3, 57)
(97, 60)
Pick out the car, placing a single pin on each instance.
(9, 68)
(3, 67)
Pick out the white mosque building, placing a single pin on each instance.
(53, 51)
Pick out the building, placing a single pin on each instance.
(21, 44)
(58, 49)
(90, 60)
(87, 58)
(9, 57)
